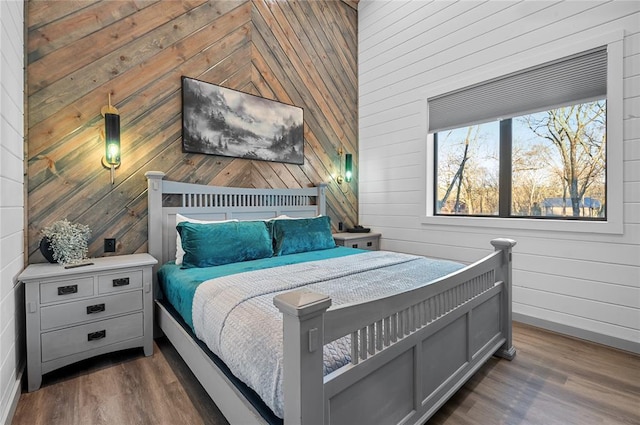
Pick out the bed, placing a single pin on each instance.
(402, 353)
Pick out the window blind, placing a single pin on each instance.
(576, 79)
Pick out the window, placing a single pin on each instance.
(468, 170)
(529, 144)
(549, 164)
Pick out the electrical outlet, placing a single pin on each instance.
(109, 245)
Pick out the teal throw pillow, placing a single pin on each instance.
(302, 235)
(207, 245)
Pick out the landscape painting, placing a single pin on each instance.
(221, 121)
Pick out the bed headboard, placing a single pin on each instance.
(168, 198)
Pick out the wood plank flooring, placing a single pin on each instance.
(552, 380)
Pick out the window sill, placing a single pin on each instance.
(575, 226)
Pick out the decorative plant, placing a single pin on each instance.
(68, 242)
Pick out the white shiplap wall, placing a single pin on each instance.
(11, 204)
(585, 284)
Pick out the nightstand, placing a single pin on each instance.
(80, 312)
(370, 241)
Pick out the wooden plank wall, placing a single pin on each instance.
(297, 52)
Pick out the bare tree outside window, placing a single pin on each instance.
(558, 165)
(468, 170)
(569, 146)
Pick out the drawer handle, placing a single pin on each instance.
(94, 336)
(97, 308)
(123, 281)
(355, 245)
(66, 290)
(369, 243)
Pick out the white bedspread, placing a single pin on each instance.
(235, 316)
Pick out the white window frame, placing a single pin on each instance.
(614, 223)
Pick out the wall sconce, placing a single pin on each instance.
(111, 159)
(348, 167)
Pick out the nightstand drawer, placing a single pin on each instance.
(84, 310)
(66, 289)
(369, 241)
(370, 244)
(74, 340)
(119, 281)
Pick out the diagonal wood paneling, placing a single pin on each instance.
(298, 52)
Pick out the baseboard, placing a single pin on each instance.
(619, 343)
(7, 415)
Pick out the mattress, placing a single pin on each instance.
(179, 285)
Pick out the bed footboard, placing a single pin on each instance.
(410, 351)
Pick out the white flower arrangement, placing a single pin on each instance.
(68, 241)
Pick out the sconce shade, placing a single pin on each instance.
(348, 167)
(112, 138)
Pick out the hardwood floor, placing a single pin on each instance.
(552, 380)
(121, 389)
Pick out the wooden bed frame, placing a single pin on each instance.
(413, 351)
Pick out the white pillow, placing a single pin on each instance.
(286, 217)
(179, 219)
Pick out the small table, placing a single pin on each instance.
(370, 241)
(80, 312)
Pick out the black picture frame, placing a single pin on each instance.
(226, 122)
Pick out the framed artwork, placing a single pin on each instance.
(221, 121)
